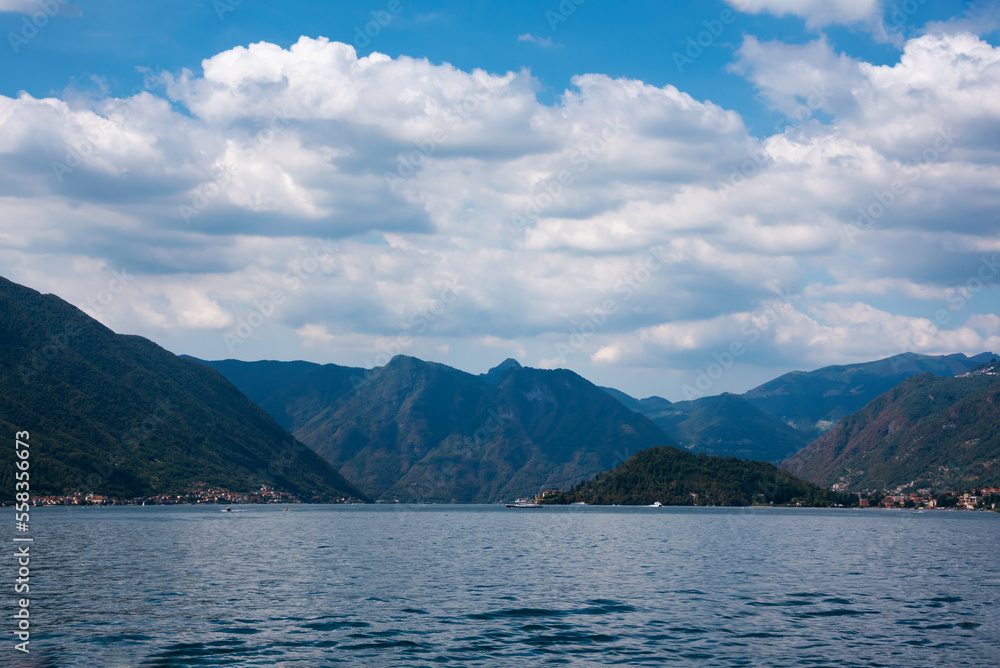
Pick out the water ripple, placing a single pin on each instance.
(477, 586)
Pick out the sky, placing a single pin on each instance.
(677, 199)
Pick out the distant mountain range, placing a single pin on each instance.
(775, 420)
(421, 431)
(813, 401)
(726, 425)
(929, 431)
(120, 416)
(415, 430)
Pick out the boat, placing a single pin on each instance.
(524, 503)
(228, 510)
(578, 503)
(655, 504)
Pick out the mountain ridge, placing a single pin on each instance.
(813, 401)
(929, 431)
(118, 415)
(726, 425)
(418, 430)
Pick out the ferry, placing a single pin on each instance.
(524, 503)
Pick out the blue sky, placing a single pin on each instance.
(578, 185)
(108, 41)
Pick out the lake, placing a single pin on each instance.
(491, 586)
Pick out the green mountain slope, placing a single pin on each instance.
(377, 433)
(291, 392)
(730, 426)
(534, 430)
(935, 432)
(417, 430)
(674, 477)
(813, 401)
(118, 415)
(258, 380)
(726, 425)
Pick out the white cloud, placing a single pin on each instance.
(817, 13)
(544, 42)
(36, 7)
(796, 75)
(655, 208)
(981, 17)
(19, 6)
(314, 335)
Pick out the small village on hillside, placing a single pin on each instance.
(201, 493)
(985, 498)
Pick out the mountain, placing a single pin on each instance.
(931, 431)
(120, 416)
(813, 401)
(675, 477)
(645, 406)
(730, 426)
(291, 392)
(416, 430)
(258, 380)
(493, 375)
(727, 425)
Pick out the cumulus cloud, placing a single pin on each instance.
(817, 13)
(314, 335)
(981, 17)
(367, 206)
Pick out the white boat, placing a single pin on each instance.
(655, 504)
(524, 503)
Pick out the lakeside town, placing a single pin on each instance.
(985, 498)
(201, 493)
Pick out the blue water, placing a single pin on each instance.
(488, 586)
